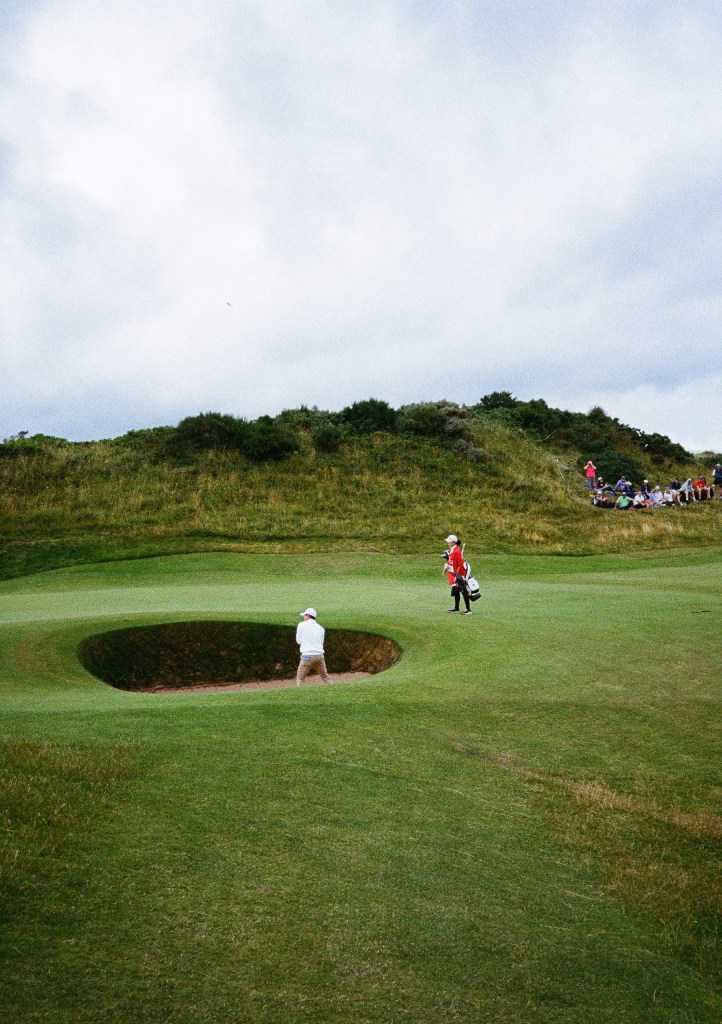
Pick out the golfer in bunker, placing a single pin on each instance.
(309, 637)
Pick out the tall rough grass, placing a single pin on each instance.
(503, 492)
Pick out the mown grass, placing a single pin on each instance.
(518, 822)
(49, 794)
(68, 504)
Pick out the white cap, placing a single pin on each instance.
(309, 611)
(451, 539)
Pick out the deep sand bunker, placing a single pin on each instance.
(206, 656)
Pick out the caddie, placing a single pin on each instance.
(457, 572)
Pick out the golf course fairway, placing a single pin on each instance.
(516, 822)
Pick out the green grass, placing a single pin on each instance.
(517, 822)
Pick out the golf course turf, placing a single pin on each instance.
(518, 821)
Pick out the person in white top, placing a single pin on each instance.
(309, 637)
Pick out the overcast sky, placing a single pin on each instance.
(250, 205)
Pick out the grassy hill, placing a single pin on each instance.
(505, 475)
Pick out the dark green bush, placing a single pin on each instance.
(659, 446)
(535, 417)
(302, 418)
(267, 440)
(207, 430)
(586, 434)
(260, 440)
(498, 400)
(539, 418)
(369, 416)
(328, 437)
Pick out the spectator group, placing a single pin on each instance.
(625, 495)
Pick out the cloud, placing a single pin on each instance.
(394, 199)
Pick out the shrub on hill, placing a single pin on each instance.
(498, 400)
(21, 444)
(13, 447)
(370, 416)
(328, 437)
(590, 432)
(268, 440)
(659, 446)
(259, 440)
(434, 420)
(302, 418)
(710, 458)
(152, 439)
(205, 431)
(423, 420)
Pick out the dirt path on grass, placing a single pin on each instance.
(255, 684)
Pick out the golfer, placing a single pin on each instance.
(309, 637)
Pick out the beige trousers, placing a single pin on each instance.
(316, 663)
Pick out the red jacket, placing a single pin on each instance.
(456, 561)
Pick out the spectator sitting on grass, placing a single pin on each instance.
(645, 488)
(686, 491)
(701, 490)
(620, 484)
(640, 500)
(623, 502)
(656, 498)
(603, 498)
(675, 487)
(671, 497)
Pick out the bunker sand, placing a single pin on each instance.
(255, 684)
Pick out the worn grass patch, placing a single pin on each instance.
(662, 861)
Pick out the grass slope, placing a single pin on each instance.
(517, 822)
(68, 504)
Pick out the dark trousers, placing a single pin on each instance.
(457, 591)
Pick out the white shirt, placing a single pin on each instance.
(309, 636)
